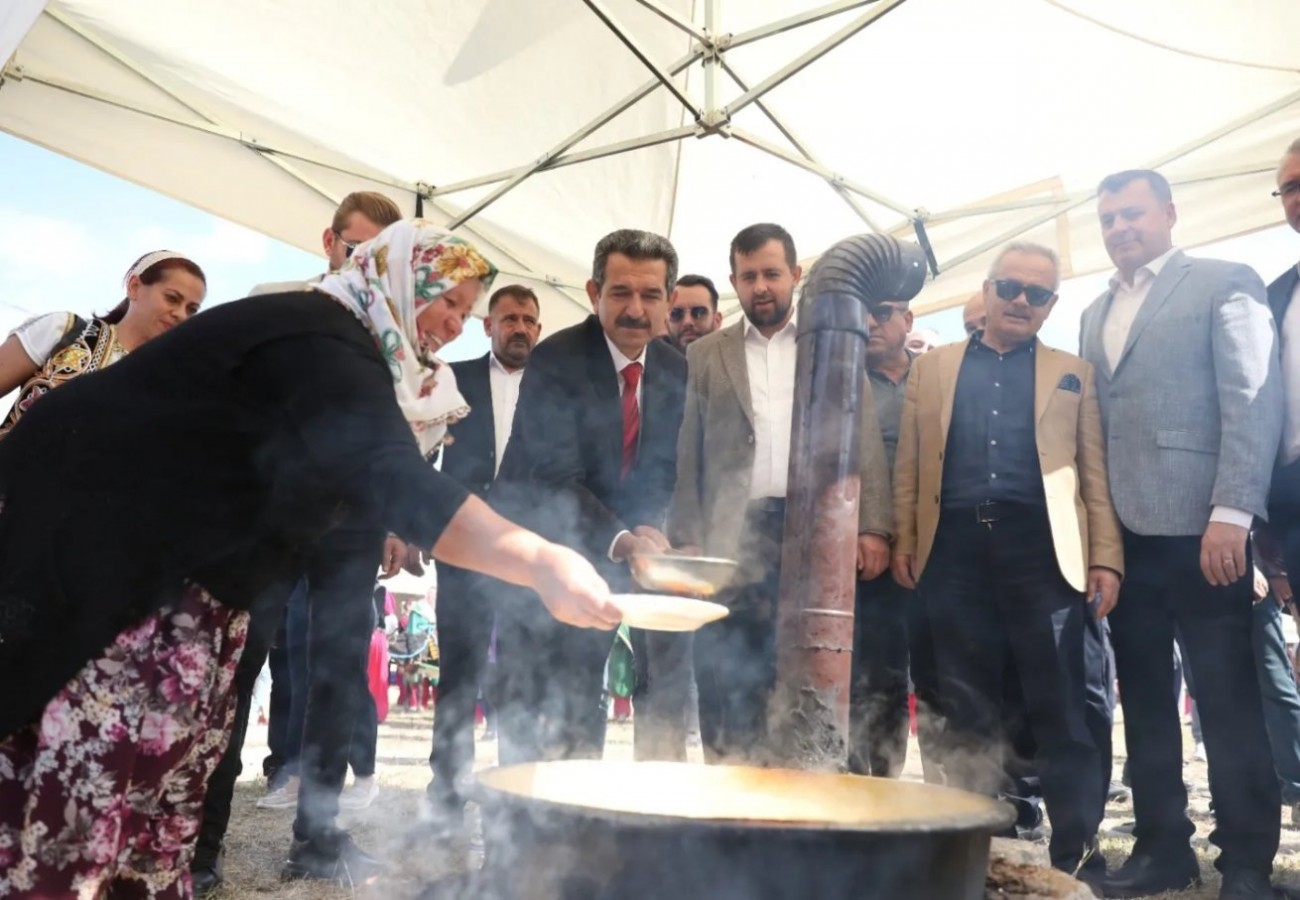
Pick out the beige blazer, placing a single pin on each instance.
(715, 451)
(1071, 453)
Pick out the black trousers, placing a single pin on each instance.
(342, 620)
(735, 658)
(262, 628)
(878, 717)
(552, 694)
(464, 607)
(277, 719)
(662, 695)
(994, 589)
(1165, 591)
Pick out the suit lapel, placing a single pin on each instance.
(1044, 379)
(949, 365)
(480, 393)
(1094, 349)
(1175, 271)
(607, 413)
(733, 361)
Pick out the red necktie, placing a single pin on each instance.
(631, 415)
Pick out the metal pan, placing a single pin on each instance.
(685, 576)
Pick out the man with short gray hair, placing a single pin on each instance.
(1187, 374)
(1005, 528)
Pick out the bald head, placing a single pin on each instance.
(972, 314)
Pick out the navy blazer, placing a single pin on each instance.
(1284, 495)
(561, 475)
(471, 456)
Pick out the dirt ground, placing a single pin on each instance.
(259, 839)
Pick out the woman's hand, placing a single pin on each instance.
(572, 591)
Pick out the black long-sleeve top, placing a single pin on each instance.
(224, 452)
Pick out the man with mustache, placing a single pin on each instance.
(694, 312)
(732, 467)
(1188, 377)
(490, 385)
(1005, 528)
(591, 464)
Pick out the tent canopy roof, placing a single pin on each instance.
(979, 122)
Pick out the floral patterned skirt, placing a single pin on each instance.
(103, 796)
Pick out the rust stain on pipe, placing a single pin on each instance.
(809, 714)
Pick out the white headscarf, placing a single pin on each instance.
(386, 284)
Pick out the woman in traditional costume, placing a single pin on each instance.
(163, 289)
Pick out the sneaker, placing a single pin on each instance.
(361, 794)
(283, 797)
(1118, 793)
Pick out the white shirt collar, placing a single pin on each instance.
(1152, 268)
(621, 362)
(751, 330)
(495, 364)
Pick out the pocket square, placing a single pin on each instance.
(1070, 383)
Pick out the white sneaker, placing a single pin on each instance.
(283, 797)
(360, 795)
(1199, 753)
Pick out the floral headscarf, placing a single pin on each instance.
(386, 284)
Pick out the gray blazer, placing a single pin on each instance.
(1193, 411)
(715, 452)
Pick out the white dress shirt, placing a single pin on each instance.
(1290, 329)
(621, 362)
(770, 363)
(1125, 303)
(1126, 300)
(505, 396)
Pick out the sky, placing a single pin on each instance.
(69, 232)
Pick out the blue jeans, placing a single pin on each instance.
(1281, 699)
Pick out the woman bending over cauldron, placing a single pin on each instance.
(147, 510)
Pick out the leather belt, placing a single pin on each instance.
(991, 511)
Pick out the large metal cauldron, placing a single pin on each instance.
(589, 830)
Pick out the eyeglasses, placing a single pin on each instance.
(349, 247)
(677, 313)
(1288, 190)
(1009, 289)
(882, 313)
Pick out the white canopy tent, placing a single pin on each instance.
(536, 126)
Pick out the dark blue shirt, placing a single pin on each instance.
(992, 451)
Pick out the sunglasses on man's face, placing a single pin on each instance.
(882, 313)
(1009, 289)
(349, 247)
(698, 313)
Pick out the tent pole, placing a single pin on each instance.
(817, 168)
(801, 62)
(796, 21)
(664, 77)
(672, 17)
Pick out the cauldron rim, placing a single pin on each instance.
(994, 816)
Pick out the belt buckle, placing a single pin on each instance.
(986, 512)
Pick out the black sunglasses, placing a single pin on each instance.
(349, 247)
(882, 313)
(1009, 289)
(677, 313)
(1288, 190)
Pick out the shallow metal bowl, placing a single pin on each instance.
(687, 576)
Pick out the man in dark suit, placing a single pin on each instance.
(490, 385)
(1185, 354)
(591, 465)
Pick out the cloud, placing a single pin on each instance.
(226, 244)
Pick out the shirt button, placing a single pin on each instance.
(994, 443)
(993, 475)
(997, 384)
(750, 439)
(995, 412)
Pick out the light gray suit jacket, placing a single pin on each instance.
(715, 452)
(1193, 410)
